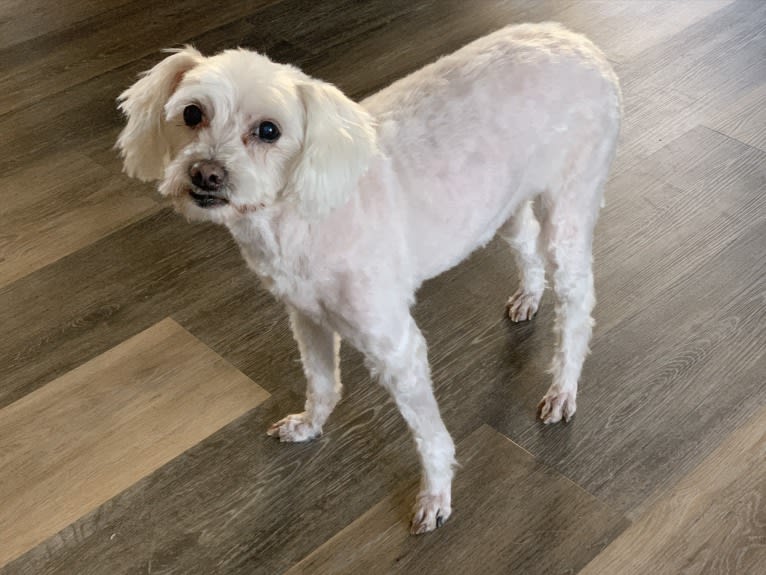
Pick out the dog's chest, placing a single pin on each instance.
(279, 261)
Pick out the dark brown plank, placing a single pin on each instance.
(51, 320)
(88, 48)
(512, 514)
(79, 119)
(711, 522)
(58, 205)
(22, 20)
(408, 41)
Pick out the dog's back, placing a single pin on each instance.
(485, 128)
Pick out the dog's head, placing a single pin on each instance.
(237, 132)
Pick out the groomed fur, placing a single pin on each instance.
(355, 205)
(147, 142)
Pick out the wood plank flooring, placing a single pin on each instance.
(107, 424)
(140, 361)
(712, 521)
(501, 483)
(45, 223)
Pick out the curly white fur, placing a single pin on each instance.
(355, 205)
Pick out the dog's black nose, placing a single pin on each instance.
(207, 175)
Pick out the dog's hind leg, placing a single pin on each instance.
(569, 216)
(522, 232)
(402, 365)
(319, 348)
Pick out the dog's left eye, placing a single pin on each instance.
(268, 131)
(192, 115)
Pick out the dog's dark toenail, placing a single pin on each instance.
(439, 521)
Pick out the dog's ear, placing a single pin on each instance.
(339, 141)
(145, 142)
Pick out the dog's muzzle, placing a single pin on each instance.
(208, 179)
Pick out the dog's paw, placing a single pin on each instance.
(294, 428)
(430, 511)
(522, 305)
(557, 404)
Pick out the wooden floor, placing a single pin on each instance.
(140, 362)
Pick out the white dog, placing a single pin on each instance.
(344, 209)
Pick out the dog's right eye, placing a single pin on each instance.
(192, 115)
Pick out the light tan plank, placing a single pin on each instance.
(59, 205)
(510, 512)
(81, 439)
(711, 522)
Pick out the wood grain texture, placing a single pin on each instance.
(688, 259)
(679, 348)
(22, 20)
(497, 485)
(744, 119)
(239, 501)
(83, 438)
(427, 31)
(624, 28)
(59, 205)
(712, 521)
(75, 120)
(666, 95)
(81, 305)
(104, 42)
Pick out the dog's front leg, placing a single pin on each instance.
(319, 347)
(404, 372)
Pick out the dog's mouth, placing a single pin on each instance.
(207, 199)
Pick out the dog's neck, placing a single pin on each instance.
(275, 242)
(287, 249)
